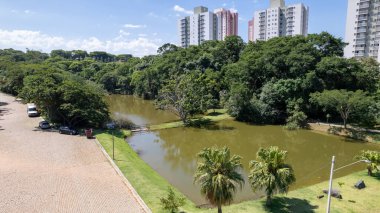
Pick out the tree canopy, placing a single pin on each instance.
(258, 82)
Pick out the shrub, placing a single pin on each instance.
(172, 202)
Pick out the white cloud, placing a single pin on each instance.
(124, 33)
(29, 39)
(21, 39)
(180, 9)
(134, 26)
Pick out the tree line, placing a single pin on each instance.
(286, 80)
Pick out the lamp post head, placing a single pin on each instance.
(366, 161)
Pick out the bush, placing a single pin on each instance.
(296, 121)
(172, 202)
(123, 123)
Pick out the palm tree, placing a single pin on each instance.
(373, 158)
(270, 172)
(218, 175)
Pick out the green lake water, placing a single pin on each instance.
(172, 152)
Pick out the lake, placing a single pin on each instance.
(172, 152)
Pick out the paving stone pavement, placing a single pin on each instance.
(42, 171)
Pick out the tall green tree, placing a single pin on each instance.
(218, 175)
(66, 98)
(185, 96)
(346, 103)
(270, 172)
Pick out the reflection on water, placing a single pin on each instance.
(140, 112)
(172, 152)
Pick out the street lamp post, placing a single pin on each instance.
(330, 185)
(331, 177)
(113, 146)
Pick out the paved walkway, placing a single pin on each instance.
(48, 172)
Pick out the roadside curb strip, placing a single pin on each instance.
(135, 195)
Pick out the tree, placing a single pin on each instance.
(217, 173)
(185, 96)
(346, 103)
(66, 98)
(172, 201)
(327, 44)
(270, 172)
(167, 48)
(340, 73)
(297, 118)
(374, 160)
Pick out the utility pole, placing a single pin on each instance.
(330, 185)
(113, 146)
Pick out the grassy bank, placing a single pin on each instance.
(348, 133)
(211, 116)
(147, 182)
(151, 186)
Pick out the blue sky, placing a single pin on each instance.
(138, 27)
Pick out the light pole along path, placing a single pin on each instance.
(331, 178)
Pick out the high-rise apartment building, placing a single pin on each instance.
(281, 20)
(226, 23)
(251, 28)
(204, 25)
(363, 29)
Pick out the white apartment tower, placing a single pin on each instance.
(363, 29)
(281, 20)
(204, 25)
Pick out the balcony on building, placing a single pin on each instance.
(364, 5)
(361, 29)
(364, 11)
(360, 41)
(363, 17)
(359, 48)
(363, 24)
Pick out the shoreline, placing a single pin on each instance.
(350, 133)
(150, 185)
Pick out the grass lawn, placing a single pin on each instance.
(151, 186)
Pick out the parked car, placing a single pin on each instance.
(67, 130)
(44, 125)
(32, 110)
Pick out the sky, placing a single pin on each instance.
(135, 27)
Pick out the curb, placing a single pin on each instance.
(135, 195)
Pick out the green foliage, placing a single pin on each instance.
(255, 82)
(172, 202)
(347, 103)
(374, 160)
(185, 96)
(218, 176)
(297, 118)
(270, 172)
(65, 98)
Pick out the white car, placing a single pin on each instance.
(32, 110)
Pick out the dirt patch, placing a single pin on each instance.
(348, 133)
